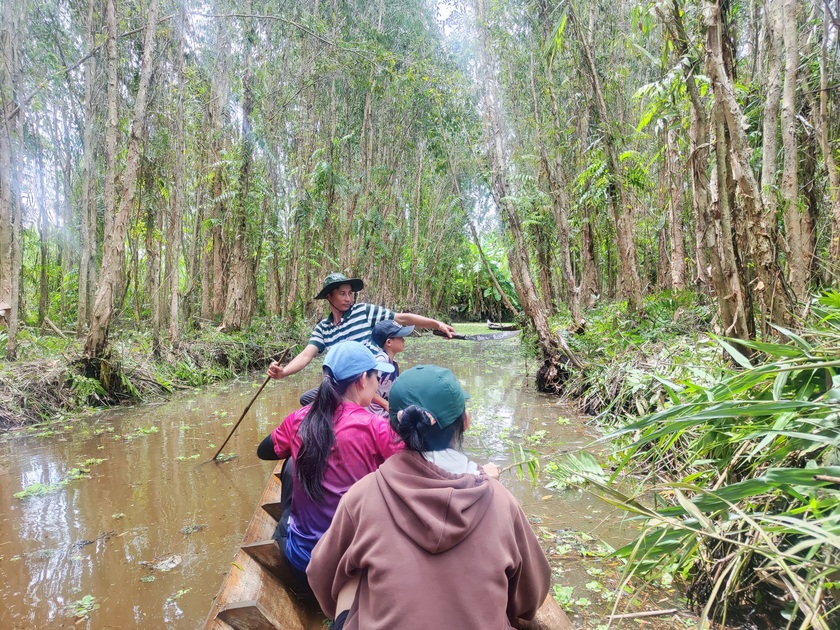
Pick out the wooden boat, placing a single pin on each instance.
(260, 590)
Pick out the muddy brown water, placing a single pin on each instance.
(151, 500)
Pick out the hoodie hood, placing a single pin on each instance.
(436, 509)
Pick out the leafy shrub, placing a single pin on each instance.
(746, 473)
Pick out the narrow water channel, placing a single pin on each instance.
(152, 501)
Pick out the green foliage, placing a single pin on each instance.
(81, 471)
(83, 607)
(226, 457)
(747, 480)
(640, 363)
(86, 390)
(173, 598)
(474, 290)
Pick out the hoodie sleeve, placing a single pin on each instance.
(331, 566)
(528, 585)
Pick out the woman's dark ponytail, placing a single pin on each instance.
(413, 423)
(415, 427)
(317, 434)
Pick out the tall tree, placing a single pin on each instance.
(715, 236)
(10, 143)
(675, 220)
(821, 119)
(114, 247)
(173, 232)
(619, 200)
(87, 204)
(760, 230)
(112, 115)
(797, 228)
(239, 305)
(502, 191)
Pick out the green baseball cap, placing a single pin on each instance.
(335, 280)
(431, 387)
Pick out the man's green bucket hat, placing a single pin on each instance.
(335, 280)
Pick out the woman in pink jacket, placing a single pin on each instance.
(331, 444)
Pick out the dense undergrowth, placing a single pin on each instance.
(52, 380)
(735, 464)
(626, 359)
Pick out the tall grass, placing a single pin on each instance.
(739, 482)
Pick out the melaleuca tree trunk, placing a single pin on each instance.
(675, 221)
(552, 373)
(797, 225)
(11, 118)
(114, 248)
(239, 305)
(769, 290)
(821, 123)
(173, 225)
(715, 236)
(87, 205)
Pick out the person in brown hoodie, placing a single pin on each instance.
(429, 540)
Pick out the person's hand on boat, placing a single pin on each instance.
(491, 470)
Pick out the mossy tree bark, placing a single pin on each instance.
(769, 290)
(715, 233)
(239, 304)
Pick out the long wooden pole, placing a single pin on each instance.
(244, 413)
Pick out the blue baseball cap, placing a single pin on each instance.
(351, 358)
(388, 329)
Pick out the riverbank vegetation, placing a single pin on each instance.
(733, 469)
(48, 383)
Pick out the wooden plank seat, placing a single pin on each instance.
(274, 509)
(266, 553)
(252, 596)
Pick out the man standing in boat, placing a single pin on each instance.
(348, 321)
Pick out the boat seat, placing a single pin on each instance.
(248, 616)
(266, 553)
(274, 509)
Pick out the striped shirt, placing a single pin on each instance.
(356, 325)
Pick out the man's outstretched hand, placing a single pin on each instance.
(446, 329)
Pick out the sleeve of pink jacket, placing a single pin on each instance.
(387, 442)
(282, 437)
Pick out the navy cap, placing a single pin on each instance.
(388, 328)
(351, 358)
